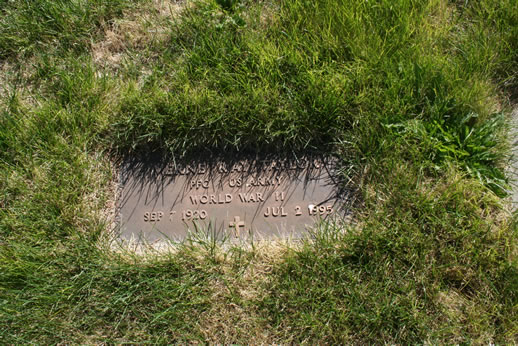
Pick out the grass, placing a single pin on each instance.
(413, 96)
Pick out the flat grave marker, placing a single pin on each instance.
(245, 198)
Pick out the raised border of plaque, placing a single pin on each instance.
(244, 198)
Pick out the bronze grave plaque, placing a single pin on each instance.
(246, 198)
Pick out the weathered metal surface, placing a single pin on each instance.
(229, 198)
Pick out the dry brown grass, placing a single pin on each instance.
(233, 316)
(136, 30)
(459, 311)
(12, 72)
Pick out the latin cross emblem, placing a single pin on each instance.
(237, 224)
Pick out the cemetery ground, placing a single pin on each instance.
(413, 97)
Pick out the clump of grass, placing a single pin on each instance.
(388, 279)
(311, 80)
(411, 95)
